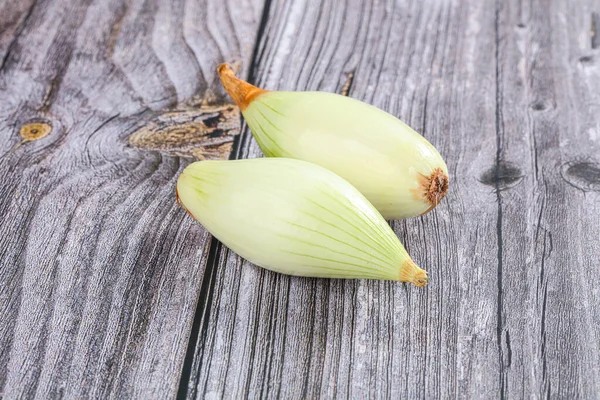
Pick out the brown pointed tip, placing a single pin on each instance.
(410, 272)
(432, 188)
(420, 279)
(240, 91)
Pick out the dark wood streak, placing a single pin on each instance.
(9, 36)
(595, 30)
(499, 124)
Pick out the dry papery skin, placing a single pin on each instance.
(240, 91)
(432, 188)
(413, 274)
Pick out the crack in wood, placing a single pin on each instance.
(501, 329)
(594, 30)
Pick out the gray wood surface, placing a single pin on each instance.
(100, 271)
(108, 289)
(508, 91)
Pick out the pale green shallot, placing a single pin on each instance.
(295, 218)
(393, 166)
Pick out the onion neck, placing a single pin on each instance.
(240, 91)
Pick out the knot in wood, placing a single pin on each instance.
(35, 131)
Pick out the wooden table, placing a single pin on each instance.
(109, 289)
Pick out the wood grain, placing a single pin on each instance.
(103, 279)
(508, 92)
(100, 271)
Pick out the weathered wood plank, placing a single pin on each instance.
(508, 93)
(548, 218)
(100, 271)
